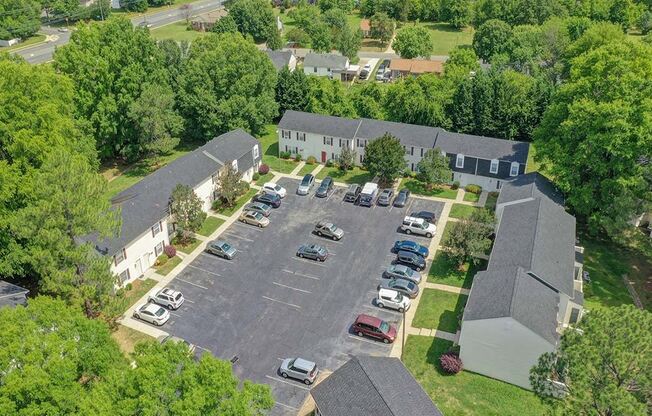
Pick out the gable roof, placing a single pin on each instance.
(530, 185)
(280, 59)
(319, 124)
(12, 295)
(145, 203)
(379, 386)
(325, 60)
(483, 147)
(511, 292)
(416, 66)
(408, 134)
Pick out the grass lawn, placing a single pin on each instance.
(462, 211)
(167, 267)
(186, 248)
(419, 188)
(445, 37)
(177, 31)
(262, 179)
(37, 38)
(532, 165)
(150, 9)
(210, 225)
(471, 197)
(492, 198)
(447, 230)
(446, 273)
(465, 393)
(269, 142)
(138, 289)
(306, 169)
(127, 338)
(239, 203)
(355, 175)
(440, 310)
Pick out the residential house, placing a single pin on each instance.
(326, 65)
(282, 59)
(12, 295)
(484, 161)
(204, 22)
(365, 28)
(414, 67)
(532, 289)
(146, 223)
(379, 386)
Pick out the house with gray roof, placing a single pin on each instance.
(379, 386)
(146, 226)
(479, 160)
(282, 59)
(532, 289)
(329, 65)
(12, 295)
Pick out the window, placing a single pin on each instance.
(575, 316)
(301, 137)
(411, 150)
(314, 70)
(235, 165)
(459, 162)
(120, 256)
(156, 228)
(124, 276)
(328, 141)
(422, 152)
(412, 166)
(360, 158)
(255, 152)
(286, 134)
(494, 166)
(296, 150)
(513, 171)
(287, 149)
(158, 249)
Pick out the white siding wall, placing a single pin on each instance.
(321, 72)
(501, 348)
(487, 184)
(205, 192)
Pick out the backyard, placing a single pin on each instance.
(439, 310)
(177, 31)
(445, 37)
(269, 142)
(443, 272)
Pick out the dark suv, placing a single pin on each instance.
(411, 260)
(270, 199)
(352, 193)
(325, 187)
(375, 328)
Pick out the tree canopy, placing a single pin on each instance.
(470, 237)
(413, 42)
(385, 157)
(19, 18)
(253, 17)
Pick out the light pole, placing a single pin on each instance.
(403, 340)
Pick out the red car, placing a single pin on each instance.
(375, 328)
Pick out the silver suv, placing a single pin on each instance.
(299, 369)
(328, 229)
(418, 226)
(170, 298)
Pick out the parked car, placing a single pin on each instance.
(410, 259)
(324, 187)
(273, 188)
(418, 226)
(352, 193)
(299, 369)
(259, 207)
(312, 251)
(164, 339)
(145, 24)
(400, 271)
(152, 313)
(328, 229)
(368, 194)
(402, 198)
(170, 298)
(385, 197)
(367, 68)
(366, 325)
(404, 286)
(307, 183)
(381, 71)
(426, 215)
(363, 74)
(268, 199)
(254, 218)
(221, 248)
(387, 76)
(408, 245)
(388, 298)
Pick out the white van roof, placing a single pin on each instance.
(369, 187)
(387, 293)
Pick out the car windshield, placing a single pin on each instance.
(160, 312)
(226, 247)
(257, 215)
(408, 272)
(277, 187)
(384, 327)
(305, 181)
(398, 298)
(333, 228)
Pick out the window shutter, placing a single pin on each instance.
(422, 152)
(124, 253)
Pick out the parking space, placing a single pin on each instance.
(267, 304)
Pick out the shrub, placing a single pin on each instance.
(474, 189)
(311, 160)
(285, 155)
(455, 185)
(450, 363)
(263, 169)
(297, 158)
(330, 163)
(243, 187)
(256, 176)
(170, 251)
(217, 204)
(128, 286)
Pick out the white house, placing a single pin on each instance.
(325, 65)
(483, 161)
(532, 289)
(146, 224)
(282, 59)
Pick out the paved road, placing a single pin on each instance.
(301, 53)
(43, 52)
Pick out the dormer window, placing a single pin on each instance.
(494, 166)
(513, 170)
(459, 161)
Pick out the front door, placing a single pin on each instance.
(323, 157)
(139, 268)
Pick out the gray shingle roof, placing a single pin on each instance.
(379, 386)
(325, 60)
(539, 236)
(483, 147)
(408, 134)
(319, 124)
(12, 295)
(530, 185)
(511, 292)
(146, 202)
(280, 59)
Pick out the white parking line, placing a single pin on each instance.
(188, 300)
(205, 349)
(237, 236)
(216, 258)
(288, 406)
(326, 240)
(284, 303)
(409, 206)
(290, 287)
(307, 276)
(249, 227)
(204, 270)
(287, 382)
(191, 283)
(379, 343)
(315, 262)
(175, 314)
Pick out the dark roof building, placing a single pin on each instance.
(326, 60)
(282, 59)
(529, 186)
(12, 295)
(378, 386)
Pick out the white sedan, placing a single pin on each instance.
(273, 188)
(152, 313)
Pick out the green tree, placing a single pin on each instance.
(156, 122)
(413, 42)
(321, 38)
(253, 17)
(292, 90)
(109, 64)
(135, 5)
(382, 27)
(461, 62)
(492, 38)
(368, 100)
(298, 37)
(470, 237)
(347, 158)
(228, 184)
(69, 10)
(186, 207)
(305, 16)
(274, 41)
(174, 57)
(420, 100)
(461, 109)
(19, 18)
(605, 364)
(434, 168)
(99, 10)
(226, 24)
(335, 18)
(594, 138)
(225, 84)
(329, 97)
(456, 12)
(344, 5)
(348, 42)
(385, 157)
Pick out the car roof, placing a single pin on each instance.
(308, 176)
(354, 186)
(368, 319)
(387, 292)
(406, 253)
(327, 179)
(169, 291)
(401, 267)
(303, 364)
(387, 191)
(408, 243)
(324, 223)
(152, 307)
(272, 184)
(218, 242)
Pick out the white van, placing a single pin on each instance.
(418, 226)
(392, 299)
(368, 194)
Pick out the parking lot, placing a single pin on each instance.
(267, 304)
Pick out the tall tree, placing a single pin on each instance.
(594, 138)
(226, 24)
(228, 184)
(292, 90)
(420, 100)
(186, 207)
(369, 100)
(253, 17)
(434, 168)
(382, 27)
(456, 12)
(226, 83)
(385, 157)
(470, 237)
(347, 158)
(492, 38)
(19, 18)
(348, 42)
(461, 109)
(321, 38)
(413, 42)
(328, 96)
(460, 65)
(606, 365)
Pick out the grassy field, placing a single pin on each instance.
(462, 211)
(445, 37)
(150, 9)
(440, 310)
(269, 142)
(446, 273)
(238, 204)
(138, 289)
(188, 247)
(471, 197)
(210, 225)
(466, 393)
(419, 188)
(37, 38)
(306, 169)
(177, 31)
(127, 338)
(170, 264)
(355, 175)
(447, 230)
(262, 179)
